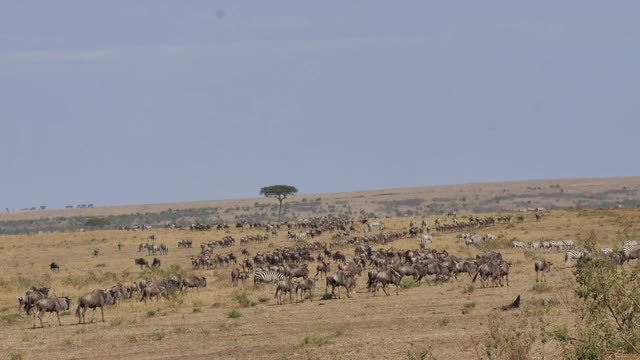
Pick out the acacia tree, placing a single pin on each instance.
(279, 192)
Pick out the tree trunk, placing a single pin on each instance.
(279, 209)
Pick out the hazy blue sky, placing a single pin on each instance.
(123, 102)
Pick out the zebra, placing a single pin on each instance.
(268, 277)
(518, 245)
(606, 251)
(631, 243)
(574, 254)
(567, 243)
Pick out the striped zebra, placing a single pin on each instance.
(567, 243)
(606, 251)
(574, 254)
(268, 276)
(631, 243)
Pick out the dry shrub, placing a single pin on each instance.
(510, 339)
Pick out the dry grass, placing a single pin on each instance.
(361, 327)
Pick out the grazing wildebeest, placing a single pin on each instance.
(53, 304)
(542, 266)
(156, 262)
(152, 291)
(54, 266)
(142, 262)
(32, 296)
(338, 279)
(304, 286)
(96, 299)
(193, 282)
(385, 277)
(152, 237)
(284, 286)
(323, 268)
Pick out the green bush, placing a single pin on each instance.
(408, 282)
(234, 314)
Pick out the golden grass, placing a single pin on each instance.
(198, 325)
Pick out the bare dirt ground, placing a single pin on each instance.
(445, 321)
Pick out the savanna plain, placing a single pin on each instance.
(453, 319)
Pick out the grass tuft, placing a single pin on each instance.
(234, 314)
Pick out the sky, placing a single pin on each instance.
(131, 102)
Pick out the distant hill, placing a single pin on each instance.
(410, 201)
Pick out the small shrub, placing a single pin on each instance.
(326, 297)
(16, 356)
(116, 322)
(263, 299)
(426, 354)
(4, 309)
(234, 314)
(469, 305)
(561, 334)
(314, 339)
(510, 339)
(408, 282)
(151, 313)
(180, 331)
(197, 310)
(132, 339)
(339, 332)
(468, 289)
(158, 335)
(542, 288)
(442, 322)
(101, 265)
(243, 298)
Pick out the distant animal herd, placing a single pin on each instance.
(287, 268)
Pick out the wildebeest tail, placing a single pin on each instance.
(475, 276)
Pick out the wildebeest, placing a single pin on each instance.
(96, 299)
(54, 266)
(156, 262)
(152, 291)
(489, 269)
(282, 287)
(338, 279)
(297, 272)
(385, 277)
(142, 262)
(194, 282)
(120, 291)
(542, 266)
(235, 276)
(53, 304)
(323, 268)
(32, 296)
(304, 286)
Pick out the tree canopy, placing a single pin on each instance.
(279, 192)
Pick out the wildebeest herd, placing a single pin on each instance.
(288, 269)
